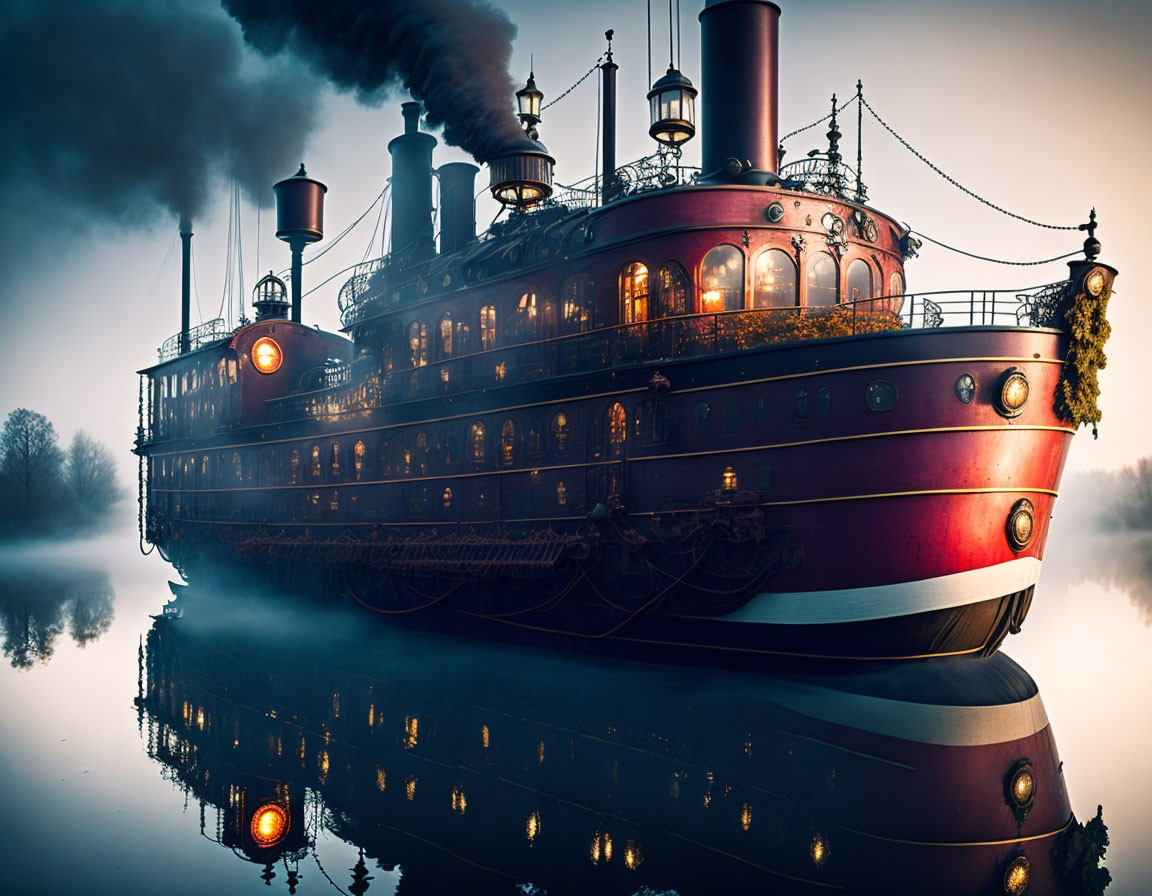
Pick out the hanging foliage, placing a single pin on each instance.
(1078, 391)
(758, 329)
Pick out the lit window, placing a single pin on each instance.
(560, 432)
(722, 280)
(501, 370)
(775, 280)
(420, 454)
(823, 288)
(446, 336)
(476, 443)
(237, 470)
(315, 461)
(358, 458)
(334, 502)
(634, 293)
(561, 494)
(578, 300)
(418, 343)
(507, 443)
(859, 281)
(335, 458)
(617, 430)
(447, 497)
(895, 284)
(204, 466)
(526, 316)
(487, 327)
(294, 464)
(672, 297)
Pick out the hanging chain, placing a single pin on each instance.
(583, 78)
(818, 121)
(956, 183)
(1022, 264)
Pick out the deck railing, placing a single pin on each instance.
(670, 338)
(210, 331)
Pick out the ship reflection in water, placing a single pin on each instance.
(493, 769)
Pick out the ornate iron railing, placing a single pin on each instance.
(819, 174)
(208, 332)
(655, 172)
(652, 341)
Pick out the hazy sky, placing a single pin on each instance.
(1041, 107)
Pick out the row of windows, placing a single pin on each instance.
(775, 284)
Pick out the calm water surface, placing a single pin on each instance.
(136, 752)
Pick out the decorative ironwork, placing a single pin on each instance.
(198, 337)
(1042, 307)
(658, 171)
(933, 315)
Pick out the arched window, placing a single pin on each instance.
(634, 294)
(823, 285)
(674, 293)
(358, 451)
(418, 343)
(895, 284)
(859, 280)
(774, 284)
(420, 454)
(526, 317)
(445, 333)
(476, 443)
(578, 298)
(335, 461)
(560, 432)
(617, 430)
(315, 461)
(507, 443)
(487, 327)
(722, 280)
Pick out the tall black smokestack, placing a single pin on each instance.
(457, 205)
(185, 283)
(738, 103)
(412, 189)
(452, 55)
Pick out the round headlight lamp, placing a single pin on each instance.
(1017, 876)
(1022, 784)
(1021, 524)
(1013, 393)
(267, 355)
(269, 824)
(1094, 282)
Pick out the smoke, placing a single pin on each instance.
(120, 109)
(452, 55)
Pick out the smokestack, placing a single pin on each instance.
(739, 52)
(457, 205)
(185, 283)
(412, 189)
(608, 157)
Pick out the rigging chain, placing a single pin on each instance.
(583, 78)
(995, 260)
(959, 185)
(809, 127)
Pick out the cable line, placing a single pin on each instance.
(583, 78)
(956, 183)
(995, 260)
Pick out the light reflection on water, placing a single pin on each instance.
(106, 801)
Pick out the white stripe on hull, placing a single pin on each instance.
(885, 601)
(927, 723)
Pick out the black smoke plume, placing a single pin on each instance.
(118, 109)
(452, 55)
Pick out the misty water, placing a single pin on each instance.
(134, 748)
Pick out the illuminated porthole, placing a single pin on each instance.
(966, 388)
(1017, 876)
(1021, 524)
(1013, 393)
(266, 355)
(1094, 282)
(269, 824)
(1020, 789)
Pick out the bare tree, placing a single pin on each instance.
(90, 476)
(30, 465)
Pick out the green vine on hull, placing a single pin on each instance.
(1078, 392)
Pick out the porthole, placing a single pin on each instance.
(1013, 393)
(881, 395)
(966, 388)
(775, 212)
(1021, 525)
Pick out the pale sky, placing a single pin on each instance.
(1040, 107)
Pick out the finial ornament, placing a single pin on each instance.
(1091, 245)
(608, 37)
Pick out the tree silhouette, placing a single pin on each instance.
(90, 476)
(30, 466)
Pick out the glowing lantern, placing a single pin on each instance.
(269, 824)
(267, 355)
(672, 101)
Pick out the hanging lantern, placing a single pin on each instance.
(270, 298)
(672, 101)
(528, 101)
(523, 176)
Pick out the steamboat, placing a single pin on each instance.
(662, 411)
